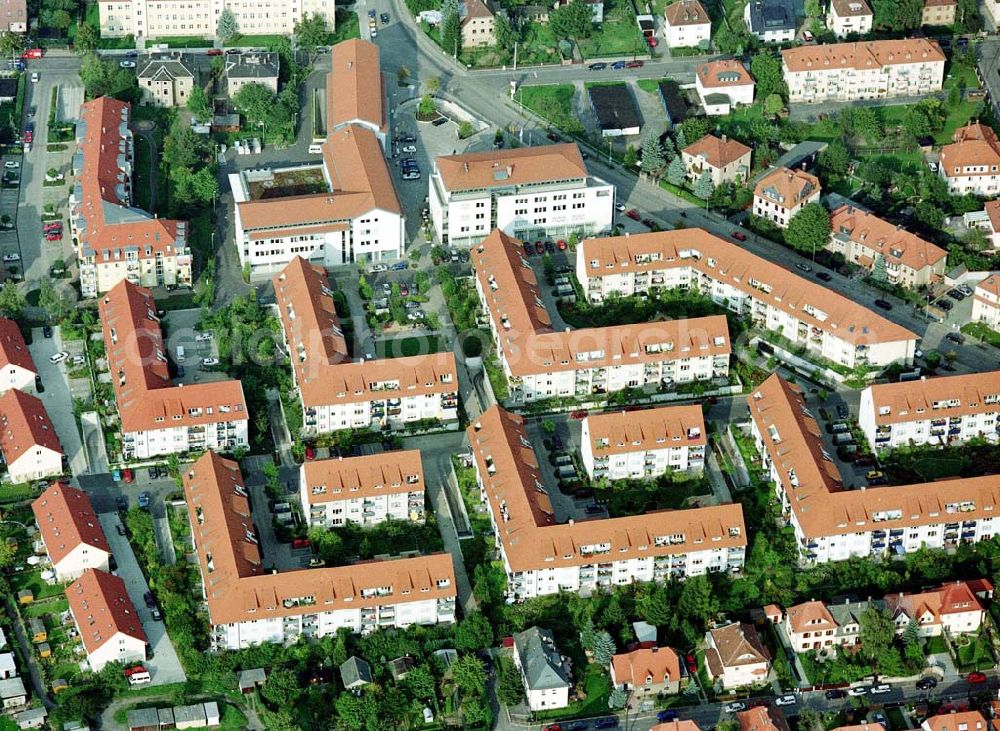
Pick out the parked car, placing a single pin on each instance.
(149, 599)
(883, 304)
(599, 66)
(539, 247)
(144, 500)
(126, 64)
(12, 164)
(955, 295)
(561, 244)
(691, 663)
(634, 65)
(58, 357)
(927, 683)
(956, 338)
(786, 700)
(823, 276)
(128, 476)
(608, 722)
(300, 543)
(384, 17)
(739, 236)
(51, 226)
(399, 266)
(859, 691)
(47, 331)
(378, 268)
(209, 362)
(735, 707)
(204, 337)
(633, 214)
(528, 248)
(884, 688)
(54, 235)
(11, 257)
(976, 677)
(835, 693)
(120, 529)
(618, 65)
(34, 77)
(803, 267)
(214, 52)
(667, 715)
(578, 414)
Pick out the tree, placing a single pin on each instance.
(897, 14)
(432, 85)
(198, 103)
(228, 27)
(420, 684)
(503, 32)
(911, 635)
(12, 302)
(680, 138)
(676, 172)
(184, 148)
(877, 634)
(617, 699)
(310, 32)
(654, 157)
(669, 149)
(697, 602)
(254, 101)
(355, 710)
(925, 117)
(835, 159)
(86, 39)
(773, 104)
(56, 305)
(7, 555)
(282, 687)
(812, 9)
(474, 712)
(105, 78)
(703, 186)
(930, 215)
(510, 690)
(473, 632)
(451, 27)
(58, 19)
(879, 273)
(604, 647)
(11, 44)
(809, 229)
(573, 20)
(469, 674)
(766, 71)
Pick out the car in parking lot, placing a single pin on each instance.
(735, 707)
(648, 222)
(12, 164)
(927, 683)
(126, 64)
(409, 148)
(210, 361)
(965, 289)
(47, 331)
(384, 17)
(667, 715)
(633, 214)
(399, 266)
(956, 338)
(881, 689)
(378, 268)
(528, 248)
(550, 247)
(11, 257)
(51, 226)
(58, 357)
(956, 295)
(859, 691)
(54, 235)
(786, 700)
(204, 337)
(944, 305)
(539, 247)
(620, 207)
(882, 304)
(143, 500)
(150, 599)
(411, 175)
(823, 276)
(834, 694)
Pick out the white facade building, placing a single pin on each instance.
(736, 657)
(971, 163)
(365, 490)
(69, 528)
(17, 368)
(782, 193)
(686, 24)
(770, 296)
(106, 620)
(847, 17)
(544, 675)
(986, 302)
(946, 410)
(28, 440)
(528, 192)
(643, 444)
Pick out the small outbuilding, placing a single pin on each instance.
(355, 673)
(615, 109)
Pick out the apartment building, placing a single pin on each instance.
(14, 16)
(155, 19)
(528, 192)
(358, 218)
(863, 70)
(772, 298)
(68, 526)
(338, 393)
(106, 620)
(723, 85)
(951, 608)
(248, 605)
(960, 721)
(888, 252)
(971, 163)
(165, 82)
(945, 410)
(542, 556)
(540, 362)
(726, 160)
(939, 12)
(810, 626)
(28, 441)
(156, 417)
(113, 239)
(17, 367)
(834, 524)
(686, 24)
(847, 17)
(363, 490)
(477, 24)
(782, 193)
(643, 444)
(986, 304)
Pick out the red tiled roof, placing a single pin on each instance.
(66, 519)
(102, 608)
(13, 350)
(24, 424)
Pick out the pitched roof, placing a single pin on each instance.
(861, 727)
(108, 226)
(975, 146)
(102, 608)
(992, 210)
(851, 8)
(13, 350)
(659, 664)
(935, 398)
(955, 597)
(354, 478)
(137, 361)
(939, 3)
(323, 372)
(354, 87)
(509, 168)
(257, 65)
(24, 425)
(676, 725)
(664, 427)
(861, 55)
(531, 538)
(990, 285)
(475, 9)
(787, 187)
(962, 721)
(723, 73)
(541, 663)
(354, 671)
(809, 478)
(810, 617)
(717, 152)
(686, 12)
(895, 244)
(762, 718)
(738, 644)
(707, 254)
(238, 590)
(164, 69)
(66, 519)
(13, 12)
(514, 300)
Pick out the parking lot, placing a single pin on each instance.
(197, 364)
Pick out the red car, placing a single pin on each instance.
(29, 136)
(652, 42)
(634, 65)
(214, 52)
(976, 677)
(692, 666)
(404, 291)
(553, 727)
(32, 53)
(128, 476)
(578, 414)
(561, 245)
(310, 453)
(52, 226)
(633, 214)
(539, 247)
(53, 236)
(739, 236)
(300, 543)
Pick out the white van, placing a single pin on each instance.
(315, 149)
(180, 353)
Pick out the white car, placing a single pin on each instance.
(203, 337)
(12, 257)
(58, 357)
(620, 207)
(34, 77)
(126, 64)
(735, 707)
(409, 148)
(855, 692)
(786, 700)
(415, 316)
(376, 268)
(210, 361)
(12, 164)
(880, 689)
(79, 360)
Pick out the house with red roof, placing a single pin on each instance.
(28, 441)
(647, 671)
(953, 608)
(17, 369)
(68, 526)
(105, 617)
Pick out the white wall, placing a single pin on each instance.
(35, 464)
(80, 559)
(119, 648)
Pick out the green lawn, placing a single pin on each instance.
(617, 35)
(262, 41)
(974, 655)
(649, 85)
(404, 347)
(43, 608)
(553, 102)
(597, 688)
(92, 17)
(183, 42)
(347, 27)
(936, 646)
(12, 492)
(33, 580)
(982, 332)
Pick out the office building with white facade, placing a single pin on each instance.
(248, 605)
(643, 444)
(528, 192)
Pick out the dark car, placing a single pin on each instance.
(539, 247)
(927, 683)
(956, 338)
(528, 249)
(648, 222)
(594, 510)
(835, 694)
(384, 17)
(882, 304)
(574, 726)
(823, 276)
(553, 137)
(956, 295)
(668, 715)
(149, 599)
(739, 236)
(600, 66)
(944, 305)
(842, 411)
(618, 65)
(634, 65)
(609, 722)
(550, 247)
(47, 331)
(121, 502)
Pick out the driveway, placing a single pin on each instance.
(164, 667)
(57, 399)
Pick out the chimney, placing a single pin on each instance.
(465, 165)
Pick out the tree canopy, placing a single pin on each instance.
(809, 229)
